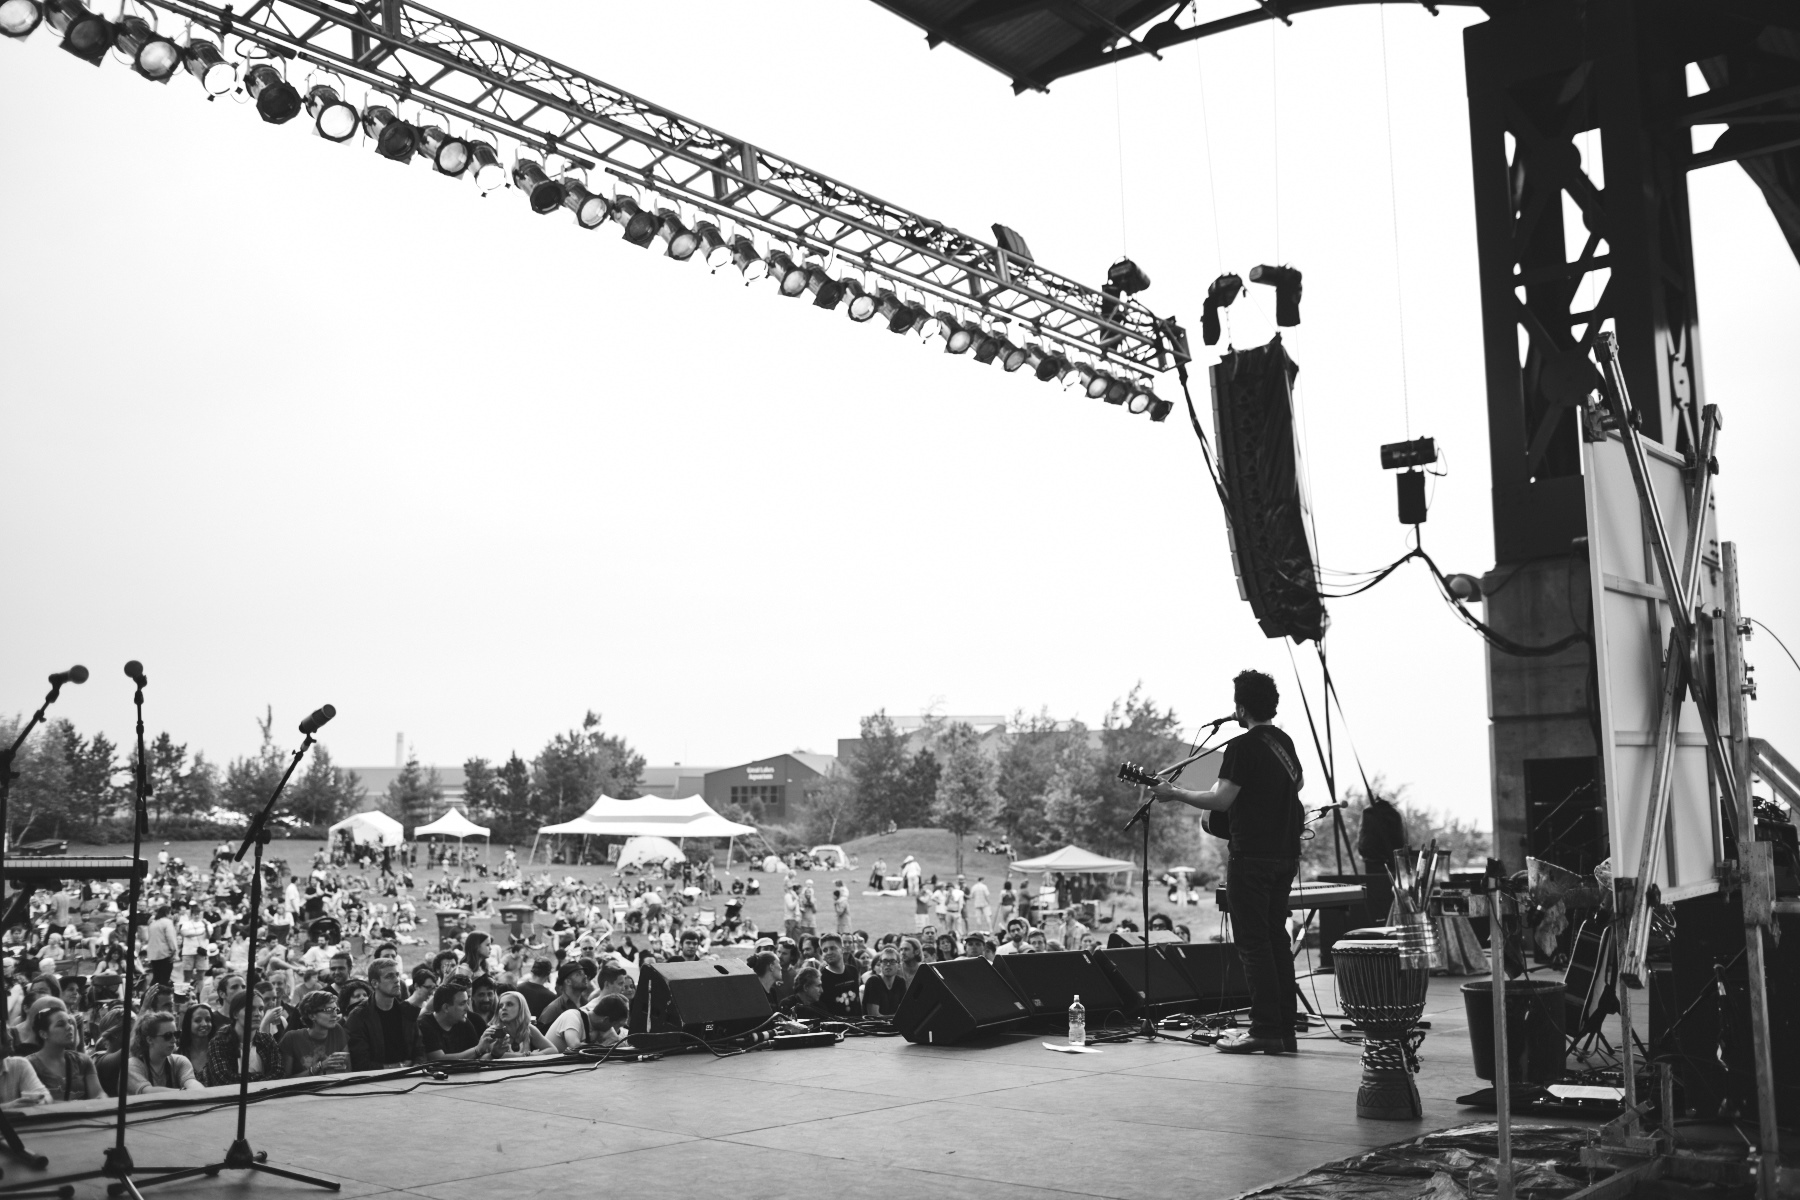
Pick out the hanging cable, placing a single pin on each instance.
(1778, 641)
(1387, 101)
(1212, 190)
(1119, 135)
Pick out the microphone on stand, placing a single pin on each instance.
(134, 671)
(75, 674)
(1225, 720)
(317, 719)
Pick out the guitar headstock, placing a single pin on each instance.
(1130, 772)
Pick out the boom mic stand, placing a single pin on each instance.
(117, 1165)
(1147, 1024)
(239, 1156)
(9, 1137)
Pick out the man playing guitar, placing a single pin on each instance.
(1259, 786)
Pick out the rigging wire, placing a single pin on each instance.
(1778, 641)
(1387, 101)
(1119, 142)
(1212, 189)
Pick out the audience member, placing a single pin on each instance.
(154, 1065)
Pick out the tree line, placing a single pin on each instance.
(76, 785)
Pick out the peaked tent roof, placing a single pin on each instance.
(453, 824)
(651, 816)
(372, 827)
(1074, 858)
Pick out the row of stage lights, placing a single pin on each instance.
(89, 36)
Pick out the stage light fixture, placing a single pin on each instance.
(1011, 357)
(826, 291)
(926, 324)
(639, 226)
(153, 56)
(790, 279)
(277, 101)
(447, 152)
(1219, 295)
(590, 210)
(205, 63)
(862, 304)
(1127, 277)
(986, 346)
(544, 193)
(898, 314)
(1286, 282)
(1098, 385)
(489, 173)
(715, 251)
(681, 242)
(1160, 409)
(749, 263)
(394, 139)
(1117, 391)
(335, 120)
(1078, 378)
(1051, 366)
(1141, 397)
(957, 336)
(85, 35)
(19, 18)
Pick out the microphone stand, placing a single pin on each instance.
(117, 1165)
(1147, 1023)
(9, 1137)
(239, 1156)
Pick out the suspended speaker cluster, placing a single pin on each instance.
(643, 219)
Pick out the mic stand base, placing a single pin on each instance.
(239, 1157)
(116, 1165)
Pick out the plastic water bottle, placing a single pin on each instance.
(1077, 1023)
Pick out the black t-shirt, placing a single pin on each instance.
(883, 995)
(1266, 817)
(454, 1040)
(843, 992)
(536, 995)
(393, 1032)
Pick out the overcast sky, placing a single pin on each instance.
(294, 424)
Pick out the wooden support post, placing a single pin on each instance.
(1758, 890)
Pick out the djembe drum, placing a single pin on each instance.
(1381, 986)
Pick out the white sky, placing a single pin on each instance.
(294, 424)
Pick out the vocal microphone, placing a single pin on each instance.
(317, 719)
(134, 671)
(75, 674)
(1225, 720)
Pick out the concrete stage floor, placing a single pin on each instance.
(868, 1117)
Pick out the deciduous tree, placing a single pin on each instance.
(966, 796)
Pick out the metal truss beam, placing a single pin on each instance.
(421, 56)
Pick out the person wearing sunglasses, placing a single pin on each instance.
(155, 1066)
(320, 1046)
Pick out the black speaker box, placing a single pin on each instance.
(1216, 972)
(1259, 465)
(1169, 990)
(948, 1001)
(708, 999)
(1049, 982)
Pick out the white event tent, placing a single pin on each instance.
(371, 829)
(454, 824)
(649, 816)
(1073, 860)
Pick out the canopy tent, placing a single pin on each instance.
(650, 816)
(649, 850)
(1073, 860)
(371, 829)
(454, 824)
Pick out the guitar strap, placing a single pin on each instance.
(1293, 769)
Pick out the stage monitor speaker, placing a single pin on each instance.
(1049, 982)
(1169, 990)
(1259, 466)
(948, 1001)
(1216, 971)
(1158, 937)
(708, 999)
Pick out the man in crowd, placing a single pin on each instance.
(385, 1031)
(571, 992)
(338, 970)
(447, 1035)
(842, 990)
(979, 901)
(693, 945)
(537, 990)
(160, 945)
(577, 1026)
(808, 999)
(484, 997)
(1016, 929)
(768, 973)
(600, 1024)
(974, 944)
(881, 995)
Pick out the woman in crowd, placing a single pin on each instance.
(513, 1016)
(354, 995)
(478, 956)
(155, 1066)
(320, 1046)
(61, 1068)
(196, 1037)
(881, 994)
(224, 1056)
(946, 947)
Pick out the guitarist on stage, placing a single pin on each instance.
(1259, 787)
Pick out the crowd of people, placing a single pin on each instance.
(347, 981)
